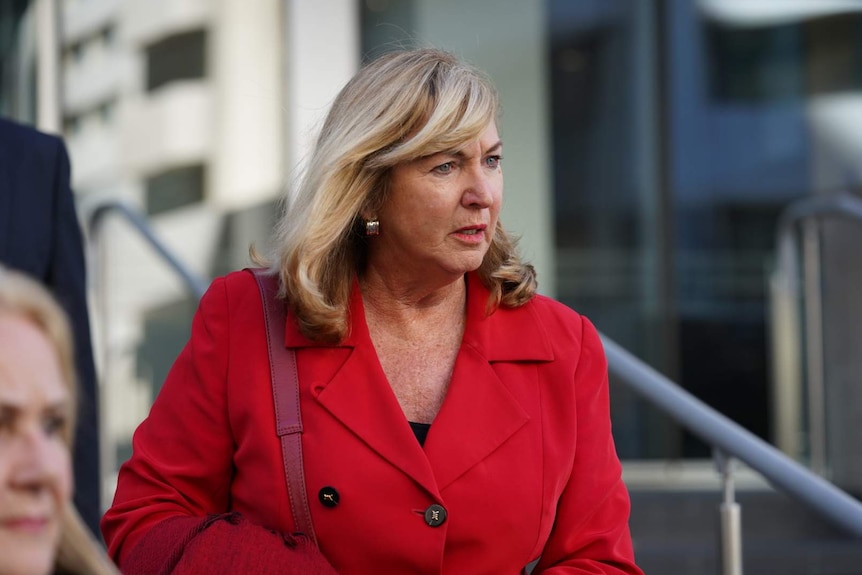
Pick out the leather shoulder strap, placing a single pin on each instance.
(285, 393)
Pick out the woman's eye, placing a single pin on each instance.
(444, 168)
(7, 422)
(54, 424)
(493, 161)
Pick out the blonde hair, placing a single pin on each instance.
(78, 552)
(403, 106)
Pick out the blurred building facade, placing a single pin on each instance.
(179, 109)
(651, 146)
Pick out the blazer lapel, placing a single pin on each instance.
(480, 412)
(360, 398)
(478, 416)
(358, 395)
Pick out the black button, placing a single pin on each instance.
(435, 515)
(329, 496)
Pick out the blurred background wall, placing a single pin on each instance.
(651, 146)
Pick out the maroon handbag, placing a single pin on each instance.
(285, 394)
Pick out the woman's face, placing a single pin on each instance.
(441, 212)
(35, 474)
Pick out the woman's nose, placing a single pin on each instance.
(38, 461)
(479, 190)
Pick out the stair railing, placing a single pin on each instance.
(94, 219)
(734, 441)
(729, 439)
(805, 214)
(730, 517)
(98, 213)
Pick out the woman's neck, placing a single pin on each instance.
(409, 306)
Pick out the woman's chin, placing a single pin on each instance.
(28, 553)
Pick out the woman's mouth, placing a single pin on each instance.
(32, 525)
(471, 234)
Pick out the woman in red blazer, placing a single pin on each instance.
(455, 422)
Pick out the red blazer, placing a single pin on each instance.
(520, 456)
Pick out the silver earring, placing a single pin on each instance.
(372, 227)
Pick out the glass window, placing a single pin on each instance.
(17, 61)
(609, 214)
(762, 64)
(178, 57)
(174, 188)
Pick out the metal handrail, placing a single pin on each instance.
(844, 204)
(94, 218)
(731, 438)
(808, 211)
(97, 215)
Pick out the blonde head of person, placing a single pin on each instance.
(40, 531)
(402, 109)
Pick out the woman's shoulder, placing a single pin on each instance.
(235, 284)
(555, 314)
(550, 306)
(559, 325)
(240, 281)
(234, 295)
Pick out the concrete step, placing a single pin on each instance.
(675, 527)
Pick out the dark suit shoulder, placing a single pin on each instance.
(17, 132)
(18, 140)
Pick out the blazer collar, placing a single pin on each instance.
(507, 334)
(504, 335)
(480, 411)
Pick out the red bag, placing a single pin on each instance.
(224, 544)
